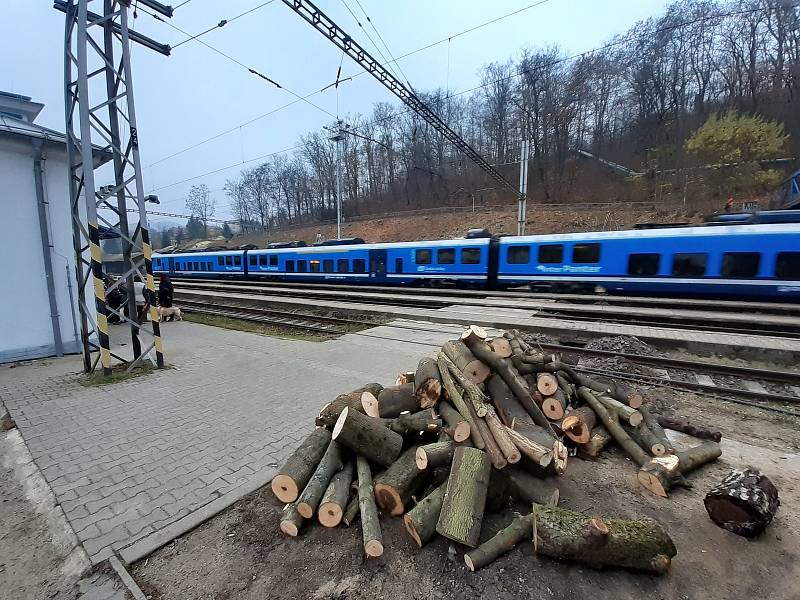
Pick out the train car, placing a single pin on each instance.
(760, 261)
(201, 264)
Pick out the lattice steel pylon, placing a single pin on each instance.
(101, 120)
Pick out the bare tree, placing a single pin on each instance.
(200, 204)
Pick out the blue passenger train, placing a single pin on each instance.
(761, 260)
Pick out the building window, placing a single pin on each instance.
(359, 265)
(342, 265)
(519, 255)
(273, 260)
(423, 257)
(584, 254)
(787, 265)
(314, 266)
(446, 256)
(551, 254)
(262, 260)
(398, 265)
(237, 260)
(290, 266)
(644, 265)
(740, 264)
(302, 266)
(253, 260)
(470, 256)
(689, 265)
(327, 265)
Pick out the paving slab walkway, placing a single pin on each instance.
(136, 463)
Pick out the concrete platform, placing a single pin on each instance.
(137, 463)
(746, 346)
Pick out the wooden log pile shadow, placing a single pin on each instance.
(481, 422)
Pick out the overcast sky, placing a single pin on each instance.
(195, 93)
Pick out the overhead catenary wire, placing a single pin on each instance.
(385, 45)
(369, 37)
(221, 23)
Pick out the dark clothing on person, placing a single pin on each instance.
(165, 292)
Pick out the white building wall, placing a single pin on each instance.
(25, 324)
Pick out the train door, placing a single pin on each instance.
(171, 262)
(377, 265)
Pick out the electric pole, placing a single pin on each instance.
(337, 137)
(523, 187)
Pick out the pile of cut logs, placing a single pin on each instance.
(484, 421)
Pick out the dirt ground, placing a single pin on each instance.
(240, 554)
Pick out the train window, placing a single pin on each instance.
(689, 265)
(740, 264)
(327, 265)
(423, 257)
(584, 254)
(643, 264)
(470, 256)
(210, 266)
(551, 253)
(202, 266)
(314, 266)
(262, 260)
(237, 260)
(519, 255)
(290, 266)
(446, 256)
(342, 265)
(221, 261)
(253, 260)
(229, 261)
(398, 265)
(273, 260)
(787, 265)
(302, 266)
(359, 265)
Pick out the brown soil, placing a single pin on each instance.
(241, 554)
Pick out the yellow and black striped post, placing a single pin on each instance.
(100, 297)
(148, 266)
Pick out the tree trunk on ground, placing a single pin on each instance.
(465, 499)
(458, 401)
(505, 540)
(610, 421)
(330, 464)
(427, 383)
(370, 525)
(665, 472)
(394, 487)
(507, 405)
(500, 435)
(689, 429)
(334, 501)
(567, 535)
(465, 361)
(744, 502)
(435, 455)
(458, 427)
(291, 520)
(629, 415)
(645, 437)
(298, 469)
(424, 421)
(368, 437)
(555, 405)
(420, 521)
(597, 441)
(529, 489)
(392, 401)
(578, 425)
(329, 414)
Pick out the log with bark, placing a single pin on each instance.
(405, 377)
(546, 383)
(647, 439)
(610, 420)
(334, 501)
(629, 415)
(457, 426)
(499, 432)
(598, 440)
(651, 422)
(368, 437)
(370, 525)
(688, 428)
(351, 512)
(427, 383)
(501, 346)
(491, 447)
(665, 472)
(536, 434)
(461, 514)
(423, 421)
(601, 542)
(420, 521)
(291, 520)
(507, 406)
(392, 401)
(578, 425)
(328, 415)
(329, 465)
(744, 502)
(527, 488)
(555, 405)
(438, 454)
(473, 333)
(395, 486)
(300, 466)
(458, 401)
(520, 528)
(465, 361)
(472, 392)
(537, 453)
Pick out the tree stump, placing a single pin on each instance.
(465, 499)
(744, 503)
(368, 437)
(300, 466)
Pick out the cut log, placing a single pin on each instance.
(651, 422)
(291, 520)
(505, 540)
(312, 494)
(472, 392)
(369, 405)
(559, 451)
(368, 437)
(427, 383)
(395, 400)
(435, 455)
(529, 489)
(501, 347)
(665, 472)
(420, 521)
(491, 447)
(616, 391)
(395, 486)
(406, 377)
(622, 393)
(547, 384)
(540, 455)
(578, 425)
(648, 440)
(457, 425)
(461, 515)
(423, 421)
(744, 502)
(564, 383)
(458, 401)
(597, 441)
(334, 501)
(629, 415)
(555, 406)
(567, 535)
(465, 361)
(610, 420)
(507, 405)
(328, 415)
(370, 525)
(684, 426)
(473, 333)
(351, 512)
(501, 437)
(298, 469)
